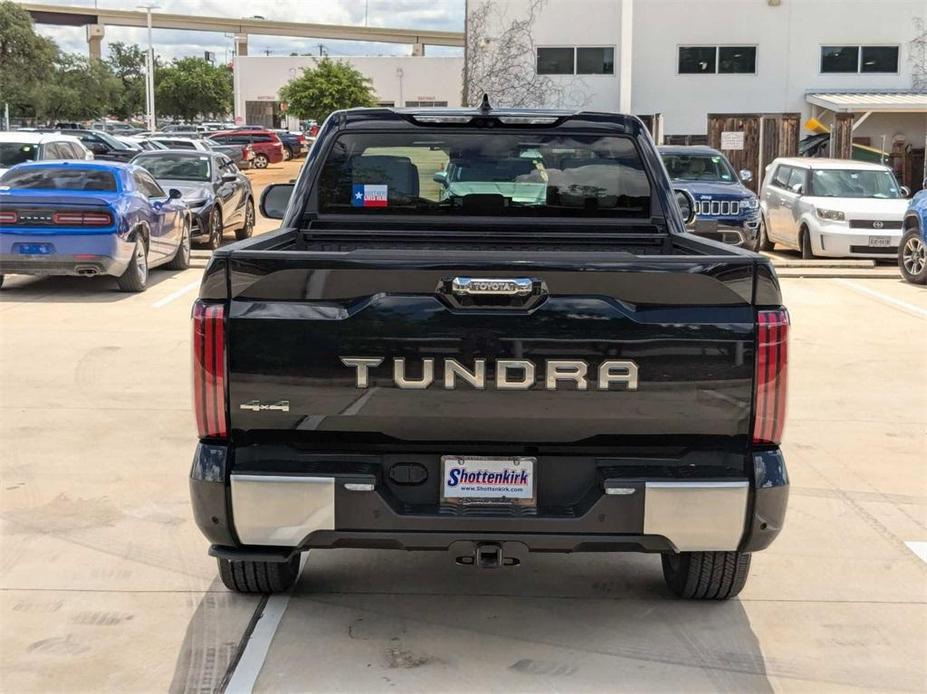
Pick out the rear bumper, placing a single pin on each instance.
(79, 254)
(274, 513)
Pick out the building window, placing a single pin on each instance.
(555, 61)
(697, 60)
(737, 59)
(711, 60)
(879, 59)
(856, 59)
(595, 61)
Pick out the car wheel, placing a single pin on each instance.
(706, 575)
(181, 259)
(215, 229)
(287, 154)
(248, 227)
(805, 244)
(912, 257)
(762, 239)
(1, 280)
(135, 277)
(259, 576)
(260, 161)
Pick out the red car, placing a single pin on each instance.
(267, 147)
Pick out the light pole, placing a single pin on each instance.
(149, 68)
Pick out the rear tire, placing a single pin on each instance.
(135, 277)
(248, 227)
(259, 576)
(181, 259)
(706, 575)
(287, 154)
(260, 161)
(912, 257)
(762, 239)
(805, 244)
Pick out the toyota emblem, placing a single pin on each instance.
(877, 225)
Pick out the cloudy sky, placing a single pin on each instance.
(446, 15)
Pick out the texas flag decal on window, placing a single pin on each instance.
(363, 195)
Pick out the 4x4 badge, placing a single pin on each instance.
(258, 406)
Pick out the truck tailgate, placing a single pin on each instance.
(318, 341)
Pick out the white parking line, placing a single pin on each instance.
(177, 294)
(919, 548)
(903, 305)
(252, 658)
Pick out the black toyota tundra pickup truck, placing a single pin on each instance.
(487, 332)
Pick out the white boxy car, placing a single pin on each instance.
(834, 208)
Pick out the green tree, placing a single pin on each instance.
(127, 62)
(77, 89)
(191, 87)
(329, 86)
(26, 59)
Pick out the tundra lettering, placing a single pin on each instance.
(557, 370)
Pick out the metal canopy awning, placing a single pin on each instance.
(869, 102)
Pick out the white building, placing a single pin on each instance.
(397, 81)
(685, 59)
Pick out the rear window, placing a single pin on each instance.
(13, 153)
(59, 178)
(485, 173)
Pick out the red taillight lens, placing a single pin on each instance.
(85, 219)
(772, 355)
(8, 217)
(209, 370)
(248, 152)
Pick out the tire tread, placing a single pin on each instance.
(259, 576)
(707, 575)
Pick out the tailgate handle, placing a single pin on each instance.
(493, 292)
(491, 286)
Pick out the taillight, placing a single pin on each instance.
(248, 152)
(86, 219)
(209, 370)
(8, 217)
(772, 355)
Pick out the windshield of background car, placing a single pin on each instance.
(701, 167)
(13, 153)
(485, 173)
(849, 183)
(179, 167)
(59, 178)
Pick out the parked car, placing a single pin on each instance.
(177, 128)
(18, 147)
(143, 144)
(294, 144)
(242, 155)
(103, 145)
(835, 208)
(912, 251)
(88, 219)
(268, 149)
(218, 194)
(726, 210)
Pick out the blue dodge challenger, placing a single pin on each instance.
(90, 218)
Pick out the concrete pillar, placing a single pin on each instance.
(418, 49)
(95, 33)
(625, 53)
(241, 44)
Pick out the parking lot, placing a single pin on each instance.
(107, 585)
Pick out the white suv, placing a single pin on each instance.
(20, 146)
(832, 207)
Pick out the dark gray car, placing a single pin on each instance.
(218, 194)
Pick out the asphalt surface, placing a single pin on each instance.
(106, 585)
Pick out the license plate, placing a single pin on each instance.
(488, 478)
(35, 248)
(880, 240)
